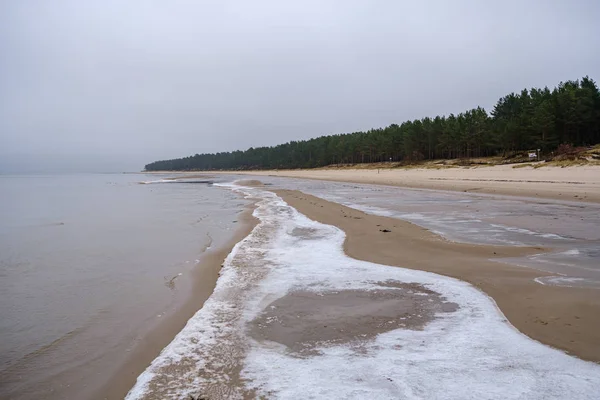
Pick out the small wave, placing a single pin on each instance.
(157, 181)
(29, 357)
(178, 180)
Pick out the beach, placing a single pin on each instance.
(325, 300)
(577, 183)
(562, 317)
(311, 287)
(285, 200)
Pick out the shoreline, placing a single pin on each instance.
(294, 315)
(561, 317)
(201, 286)
(574, 183)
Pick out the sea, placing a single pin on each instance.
(91, 263)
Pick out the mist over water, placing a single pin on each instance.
(88, 264)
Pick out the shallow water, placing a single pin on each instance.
(88, 265)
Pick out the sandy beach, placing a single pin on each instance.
(562, 317)
(312, 301)
(575, 183)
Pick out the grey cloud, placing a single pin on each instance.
(131, 82)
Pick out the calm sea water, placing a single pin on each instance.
(89, 264)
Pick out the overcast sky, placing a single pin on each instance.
(113, 84)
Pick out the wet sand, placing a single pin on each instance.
(304, 320)
(204, 279)
(562, 317)
(575, 183)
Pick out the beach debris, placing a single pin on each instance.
(384, 230)
(208, 244)
(170, 283)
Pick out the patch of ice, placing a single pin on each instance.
(572, 252)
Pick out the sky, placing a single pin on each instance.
(112, 85)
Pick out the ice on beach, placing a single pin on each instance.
(469, 353)
(572, 252)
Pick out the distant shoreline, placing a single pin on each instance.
(573, 183)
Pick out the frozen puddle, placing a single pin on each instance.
(293, 317)
(304, 321)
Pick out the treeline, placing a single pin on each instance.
(532, 119)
